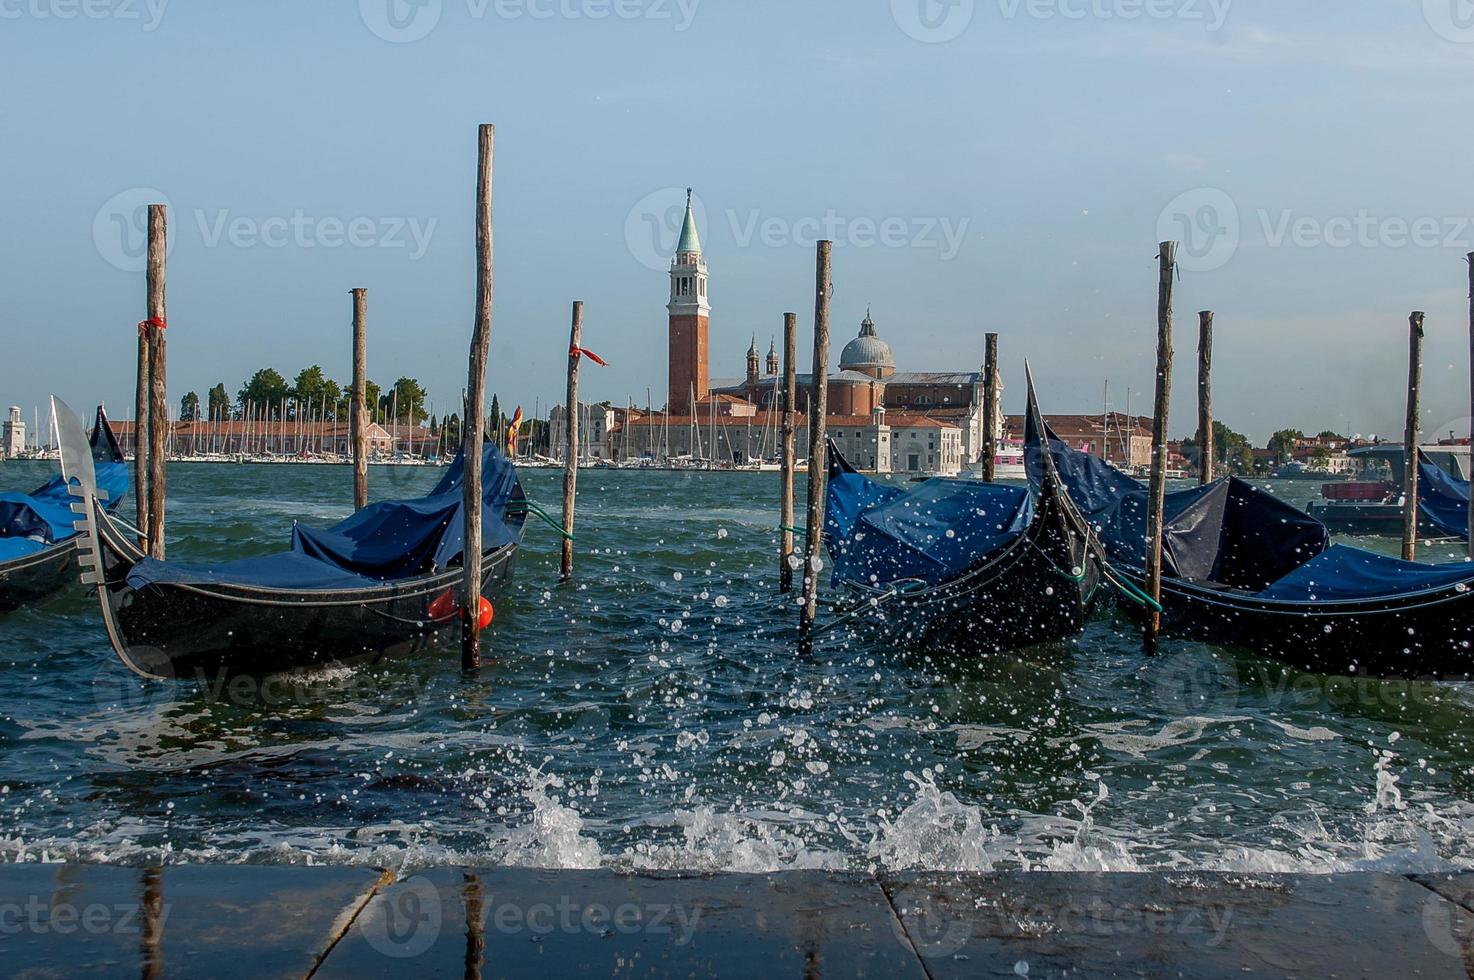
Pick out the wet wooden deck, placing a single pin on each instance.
(228, 921)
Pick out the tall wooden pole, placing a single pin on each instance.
(570, 452)
(1167, 262)
(785, 479)
(1205, 397)
(818, 412)
(990, 408)
(1471, 397)
(158, 379)
(1410, 438)
(141, 396)
(471, 429)
(358, 409)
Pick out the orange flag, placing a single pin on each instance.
(512, 428)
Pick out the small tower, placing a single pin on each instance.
(752, 362)
(773, 357)
(689, 320)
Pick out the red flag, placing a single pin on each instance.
(512, 428)
(577, 352)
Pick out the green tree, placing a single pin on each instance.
(219, 403)
(1283, 441)
(189, 408)
(313, 390)
(404, 398)
(266, 388)
(1332, 436)
(370, 401)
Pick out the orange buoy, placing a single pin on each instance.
(445, 608)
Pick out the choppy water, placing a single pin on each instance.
(654, 714)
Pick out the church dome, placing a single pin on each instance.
(867, 351)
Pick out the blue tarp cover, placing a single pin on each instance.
(1230, 532)
(32, 521)
(384, 542)
(879, 534)
(1343, 572)
(1443, 500)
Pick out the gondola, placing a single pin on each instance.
(960, 566)
(1243, 568)
(382, 583)
(38, 544)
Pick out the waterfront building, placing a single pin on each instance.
(13, 438)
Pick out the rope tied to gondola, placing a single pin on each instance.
(528, 507)
(156, 322)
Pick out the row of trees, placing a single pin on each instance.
(312, 395)
(1232, 450)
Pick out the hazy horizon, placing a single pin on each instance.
(1001, 166)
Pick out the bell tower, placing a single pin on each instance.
(690, 316)
(773, 356)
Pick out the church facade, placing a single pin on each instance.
(884, 420)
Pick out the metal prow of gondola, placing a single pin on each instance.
(78, 470)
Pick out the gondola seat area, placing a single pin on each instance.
(387, 542)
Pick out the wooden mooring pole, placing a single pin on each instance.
(358, 409)
(1471, 397)
(158, 378)
(1205, 397)
(785, 478)
(1410, 438)
(472, 428)
(570, 452)
(989, 450)
(1167, 271)
(818, 422)
(140, 440)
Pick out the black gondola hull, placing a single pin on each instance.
(203, 633)
(36, 577)
(1029, 597)
(1426, 635)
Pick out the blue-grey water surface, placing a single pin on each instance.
(654, 713)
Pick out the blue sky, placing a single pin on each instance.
(1001, 165)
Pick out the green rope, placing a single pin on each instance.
(793, 530)
(1130, 591)
(528, 507)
